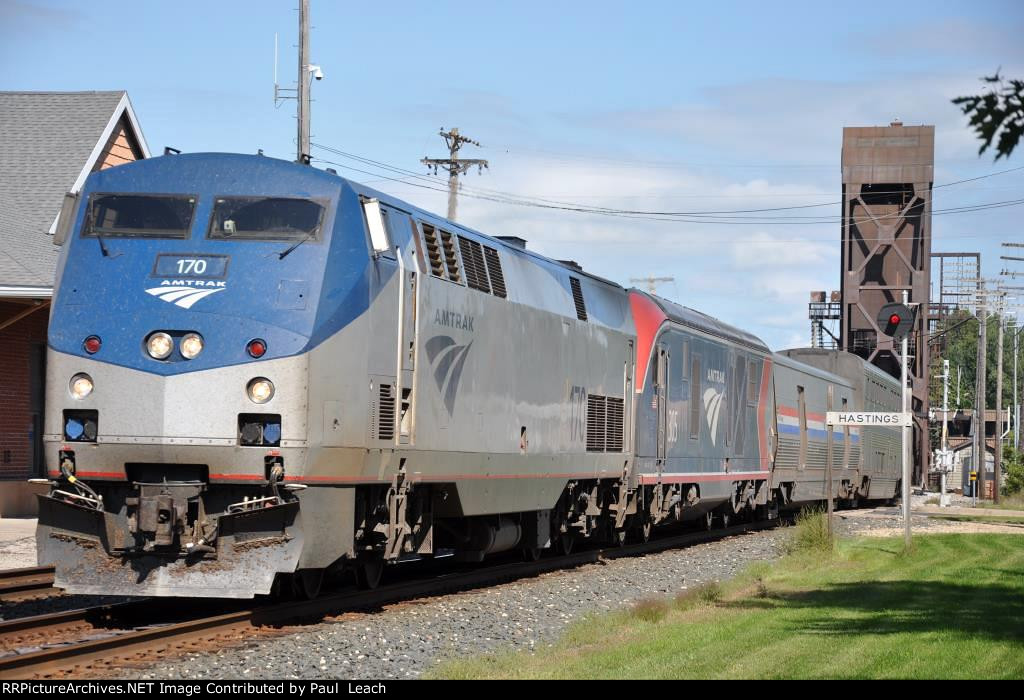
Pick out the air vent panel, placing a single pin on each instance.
(497, 277)
(596, 428)
(386, 412)
(473, 259)
(451, 261)
(605, 423)
(433, 250)
(614, 413)
(577, 298)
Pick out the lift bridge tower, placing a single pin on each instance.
(886, 249)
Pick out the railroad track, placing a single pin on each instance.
(18, 584)
(109, 636)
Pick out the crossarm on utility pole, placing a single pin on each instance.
(454, 165)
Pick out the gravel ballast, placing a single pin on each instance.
(408, 639)
(405, 640)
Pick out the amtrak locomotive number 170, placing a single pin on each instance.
(260, 373)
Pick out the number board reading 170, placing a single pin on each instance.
(191, 266)
(867, 419)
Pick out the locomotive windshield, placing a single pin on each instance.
(265, 218)
(139, 215)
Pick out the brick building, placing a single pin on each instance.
(49, 143)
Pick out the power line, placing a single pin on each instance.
(719, 219)
(497, 195)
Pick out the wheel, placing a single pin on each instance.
(307, 583)
(709, 520)
(564, 542)
(531, 553)
(645, 530)
(726, 517)
(369, 570)
(618, 538)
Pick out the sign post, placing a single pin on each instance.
(864, 419)
(828, 465)
(896, 320)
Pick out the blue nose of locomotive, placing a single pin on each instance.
(189, 262)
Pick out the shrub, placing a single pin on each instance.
(705, 594)
(811, 532)
(1014, 462)
(650, 610)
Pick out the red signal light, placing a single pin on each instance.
(256, 348)
(894, 319)
(92, 344)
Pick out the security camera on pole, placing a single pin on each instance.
(897, 321)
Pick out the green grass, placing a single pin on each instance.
(951, 607)
(994, 519)
(1014, 502)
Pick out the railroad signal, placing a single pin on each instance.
(896, 320)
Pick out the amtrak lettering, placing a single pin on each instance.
(185, 293)
(193, 283)
(716, 375)
(453, 319)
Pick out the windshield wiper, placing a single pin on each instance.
(296, 244)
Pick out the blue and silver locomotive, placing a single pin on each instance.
(261, 372)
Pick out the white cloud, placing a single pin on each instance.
(764, 250)
(757, 277)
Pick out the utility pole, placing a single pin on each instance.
(303, 85)
(945, 433)
(1016, 406)
(454, 165)
(301, 90)
(979, 397)
(997, 462)
(652, 282)
(904, 395)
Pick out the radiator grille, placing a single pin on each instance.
(577, 298)
(450, 259)
(613, 443)
(605, 421)
(596, 427)
(386, 412)
(495, 273)
(473, 259)
(433, 251)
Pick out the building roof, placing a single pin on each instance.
(49, 143)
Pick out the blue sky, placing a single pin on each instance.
(643, 105)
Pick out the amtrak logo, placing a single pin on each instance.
(185, 293)
(448, 360)
(712, 408)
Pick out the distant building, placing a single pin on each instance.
(49, 143)
(961, 443)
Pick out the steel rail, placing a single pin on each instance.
(15, 582)
(165, 639)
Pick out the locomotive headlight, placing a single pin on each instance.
(159, 345)
(191, 345)
(81, 386)
(261, 390)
